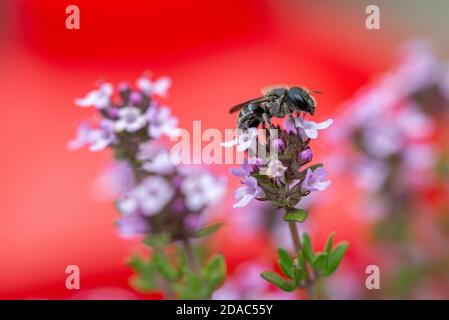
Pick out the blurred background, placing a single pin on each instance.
(219, 53)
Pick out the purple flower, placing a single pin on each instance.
(99, 98)
(161, 122)
(194, 221)
(102, 137)
(148, 150)
(153, 194)
(135, 98)
(130, 119)
(310, 128)
(133, 224)
(82, 137)
(314, 180)
(275, 169)
(249, 191)
(201, 190)
(161, 163)
(245, 140)
(244, 170)
(158, 87)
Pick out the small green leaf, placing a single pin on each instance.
(157, 240)
(301, 260)
(335, 257)
(320, 263)
(144, 280)
(207, 230)
(298, 215)
(330, 240)
(278, 281)
(307, 248)
(164, 267)
(215, 272)
(299, 272)
(285, 263)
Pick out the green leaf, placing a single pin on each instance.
(207, 230)
(144, 280)
(307, 248)
(285, 262)
(320, 263)
(298, 271)
(157, 240)
(164, 267)
(215, 272)
(278, 281)
(335, 258)
(330, 240)
(301, 261)
(298, 215)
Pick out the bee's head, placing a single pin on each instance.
(302, 100)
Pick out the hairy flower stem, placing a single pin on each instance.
(295, 236)
(191, 258)
(298, 248)
(193, 263)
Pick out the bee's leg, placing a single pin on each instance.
(267, 120)
(290, 116)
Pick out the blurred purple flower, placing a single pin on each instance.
(161, 163)
(158, 87)
(99, 98)
(161, 122)
(202, 190)
(82, 137)
(130, 119)
(153, 194)
(102, 137)
(132, 224)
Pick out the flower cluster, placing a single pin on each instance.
(161, 197)
(130, 117)
(278, 175)
(392, 125)
(393, 138)
(170, 199)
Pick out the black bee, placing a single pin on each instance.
(276, 102)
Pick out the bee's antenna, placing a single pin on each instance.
(316, 91)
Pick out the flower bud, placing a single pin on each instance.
(135, 98)
(305, 156)
(113, 112)
(278, 145)
(123, 86)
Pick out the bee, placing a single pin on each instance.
(278, 101)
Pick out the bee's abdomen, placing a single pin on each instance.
(250, 116)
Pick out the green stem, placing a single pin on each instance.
(191, 258)
(298, 248)
(163, 283)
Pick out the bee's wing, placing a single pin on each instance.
(266, 90)
(241, 105)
